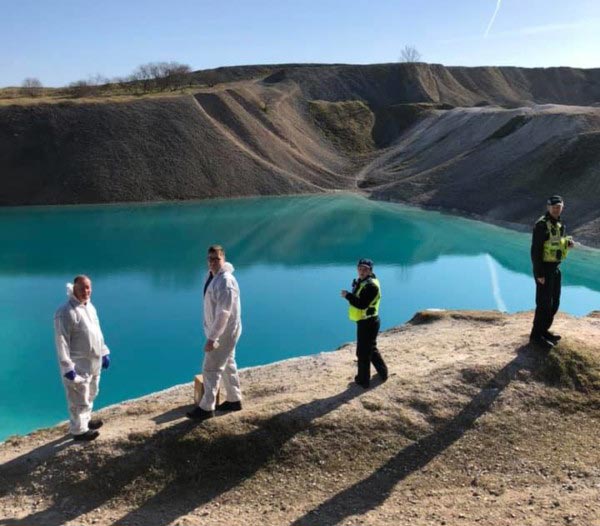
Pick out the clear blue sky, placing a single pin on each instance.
(60, 41)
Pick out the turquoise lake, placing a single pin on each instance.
(292, 256)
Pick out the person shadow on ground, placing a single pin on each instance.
(375, 489)
(23, 465)
(234, 457)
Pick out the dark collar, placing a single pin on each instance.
(367, 278)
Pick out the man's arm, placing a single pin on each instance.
(105, 350)
(537, 249)
(563, 233)
(62, 338)
(367, 295)
(226, 299)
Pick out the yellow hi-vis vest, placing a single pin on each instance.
(556, 247)
(356, 314)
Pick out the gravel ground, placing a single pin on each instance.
(472, 427)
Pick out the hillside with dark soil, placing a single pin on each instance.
(246, 141)
(488, 142)
(388, 84)
(496, 164)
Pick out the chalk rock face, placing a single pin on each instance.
(490, 142)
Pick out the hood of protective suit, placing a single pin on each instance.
(227, 267)
(70, 293)
(222, 305)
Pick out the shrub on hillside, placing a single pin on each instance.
(31, 87)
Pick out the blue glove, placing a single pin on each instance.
(70, 375)
(106, 361)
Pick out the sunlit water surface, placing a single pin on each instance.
(292, 256)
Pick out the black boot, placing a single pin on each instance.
(88, 436)
(552, 337)
(230, 406)
(541, 342)
(199, 414)
(363, 384)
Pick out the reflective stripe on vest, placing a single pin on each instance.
(356, 314)
(556, 246)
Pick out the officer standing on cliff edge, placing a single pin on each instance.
(549, 246)
(364, 310)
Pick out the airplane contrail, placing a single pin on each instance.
(498, 3)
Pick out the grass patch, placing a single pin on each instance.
(573, 365)
(392, 121)
(347, 124)
(430, 316)
(479, 376)
(61, 96)
(371, 405)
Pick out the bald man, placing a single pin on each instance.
(82, 354)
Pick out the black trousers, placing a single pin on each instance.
(366, 350)
(547, 301)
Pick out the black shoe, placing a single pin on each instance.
(88, 436)
(383, 375)
(364, 385)
(230, 406)
(200, 414)
(541, 342)
(95, 424)
(551, 337)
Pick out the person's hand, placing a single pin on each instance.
(344, 293)
(70, 375)
(570, 242)
(541, 281)
(106, 361)
(209, 346)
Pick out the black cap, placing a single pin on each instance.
(555, 200)
(363, 262)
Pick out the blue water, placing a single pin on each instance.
(292, 256)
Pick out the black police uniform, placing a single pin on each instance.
(366, 333)
(547, 295)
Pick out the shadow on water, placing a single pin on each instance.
(232, 458)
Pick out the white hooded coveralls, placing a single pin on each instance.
(222, 323)
(80, 347)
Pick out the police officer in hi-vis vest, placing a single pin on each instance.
(364, 310)
(549, 246)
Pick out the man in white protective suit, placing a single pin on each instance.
(82, 354)
(222, 328)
